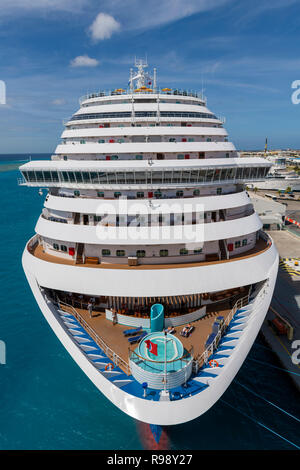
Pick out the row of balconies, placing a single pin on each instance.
(158, 194)
(142, 139)
(140, 124)
(147, 220)
(205, 252)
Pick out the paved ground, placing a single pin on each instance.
(286, 301)
(288, 245)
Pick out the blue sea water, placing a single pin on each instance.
(47, 402)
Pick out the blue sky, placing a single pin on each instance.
(54, 51)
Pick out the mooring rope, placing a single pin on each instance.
(264, 347)
(261, 424)
(275, 367)
(273, 404)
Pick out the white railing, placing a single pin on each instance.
(117, 360)
(21, 181)
(203, 358)
(156, 91)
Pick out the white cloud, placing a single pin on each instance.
(58, 102)
(84, 61)
(23, 6)
(135, 15)
(104, 27)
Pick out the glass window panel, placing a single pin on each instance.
(39, 176)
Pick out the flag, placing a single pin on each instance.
(152, 347)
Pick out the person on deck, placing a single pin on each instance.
(90, 309)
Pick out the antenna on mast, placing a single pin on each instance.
(154, 79)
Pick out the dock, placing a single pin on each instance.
(285, 306)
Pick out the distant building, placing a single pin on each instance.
(271, 213)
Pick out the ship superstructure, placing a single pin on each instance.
(148, 237)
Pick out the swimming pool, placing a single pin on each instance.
(153, 363)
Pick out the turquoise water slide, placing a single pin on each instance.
(157, 318)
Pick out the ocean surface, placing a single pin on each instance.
(47, 402)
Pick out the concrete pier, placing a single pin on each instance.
(286, 301)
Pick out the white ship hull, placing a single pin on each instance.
(161, 412)
(149, 224)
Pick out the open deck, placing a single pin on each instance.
(112, 334)
(38, 251)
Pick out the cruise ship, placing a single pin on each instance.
(148, 260)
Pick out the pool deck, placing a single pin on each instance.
(113, 335)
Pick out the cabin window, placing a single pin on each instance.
(105, 252)
(120, 252)
(237, 244)
(157, 194)
(196, 192)
(63, 248)
(55, 246)
(197, 251)
(101, 141)
(82, 141)
(139, 157)
(179, 193)
(114, 157)
(100, 193)
(184, 251)
(164, 253)
(76, 193)
(117, 194)
(139, 195)
(141, 253)
(219, 190)
(244, 242)
(180, 156)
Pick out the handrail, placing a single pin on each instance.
(184, 357)
(118, 361)
(174, 92)
(203, 358)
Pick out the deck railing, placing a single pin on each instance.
(117, 360)
(176, 92)
(203, 358)
(185, 358)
